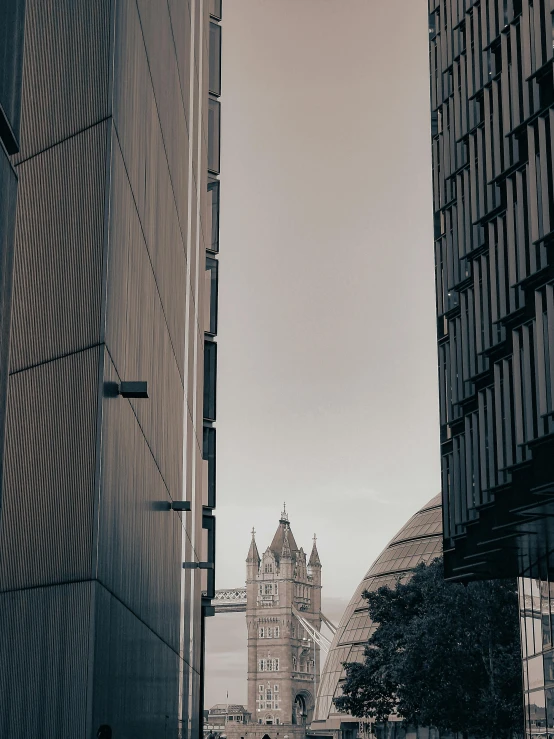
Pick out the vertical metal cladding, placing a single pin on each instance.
(169, 95)
(66, 70)
(492, 134)
(58, 250)
(44, 642)
(137, 334)
(139, 538)
(8, 188)
(146, 162)
(49, 475)
(108, 287)
(136, 675)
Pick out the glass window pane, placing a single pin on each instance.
(208, 453)
(213, 266)
(549, 668)
(214, 116)
(537, 712)
(536, 672)
(550, 710)
(210, 376)
(213, 205)
(215, 59)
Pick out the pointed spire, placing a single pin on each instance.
(253, 554)
(284, 515)
(314, 556)
(286, 551)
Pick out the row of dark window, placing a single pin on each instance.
(211, 266)
(493, 188)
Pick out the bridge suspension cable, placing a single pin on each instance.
(233, 600)
(320, 639)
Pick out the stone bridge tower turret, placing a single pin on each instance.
(283, 661)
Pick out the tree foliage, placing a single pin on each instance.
(443, 654)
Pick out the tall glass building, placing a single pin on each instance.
(109, 123)
(492, 101)
(419, 540)
(492, 114)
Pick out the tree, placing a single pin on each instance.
(443, 655)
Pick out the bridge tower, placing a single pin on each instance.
(283, 660)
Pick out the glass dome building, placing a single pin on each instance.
(419, 540)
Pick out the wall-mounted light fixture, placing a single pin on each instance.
(136, 389)
(181, 505)
(198, 565)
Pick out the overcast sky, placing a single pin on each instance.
(327, 380)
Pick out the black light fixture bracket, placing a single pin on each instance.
(181, 505)
(135, 389)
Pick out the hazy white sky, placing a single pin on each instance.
(327, 381)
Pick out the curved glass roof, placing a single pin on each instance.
(419, 540)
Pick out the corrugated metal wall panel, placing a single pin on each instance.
(8, 200)
(44, 643)
(59, 247)
(179, 11)
(139, 538)
(136, 689)
(137, 335)
(170, 104)
(146, 163)
(66, 70)
(46, 524)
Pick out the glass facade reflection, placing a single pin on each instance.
(536, 599)
(419, 540)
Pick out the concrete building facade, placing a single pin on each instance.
(117, 162)
(283, 662)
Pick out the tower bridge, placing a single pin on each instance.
(233, 600)
(281, 600)
(230, 600)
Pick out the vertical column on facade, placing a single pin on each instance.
(12, 23)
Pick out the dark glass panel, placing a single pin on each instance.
(210, 380)
(549, 710)
(215, 59)
(209, 454)
(214, 116)
(213, 266)
(213, 205)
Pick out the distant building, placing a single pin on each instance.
(419, 540)
(283, 662)
(218, 716)
(283, 587)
